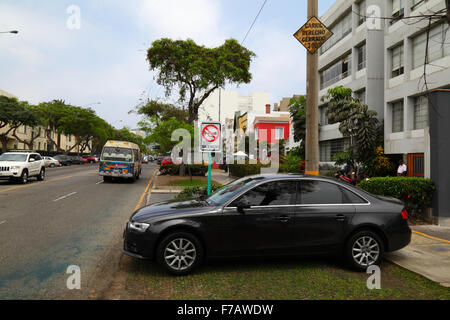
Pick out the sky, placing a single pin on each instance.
(100, 62)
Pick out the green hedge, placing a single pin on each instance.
(174, 170)
(414, 192)
(195, 192)
(243, 170)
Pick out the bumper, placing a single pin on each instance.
(116, 175)
(139, 245)
(9, 174)
(399, 239)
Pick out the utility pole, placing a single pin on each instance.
(312, 98)
(220, 101)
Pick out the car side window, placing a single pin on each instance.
(351, 197)
(319, 192)
(32, 156)
(38, 157)
(269, 194)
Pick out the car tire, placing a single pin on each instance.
(363, 249)
(41, 176)
(183, 262)
(52, 165)
(24, 177)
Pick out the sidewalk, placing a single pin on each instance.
(428, 254)
(221, 177)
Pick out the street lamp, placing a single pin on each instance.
(12, 31)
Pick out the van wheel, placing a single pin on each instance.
(41, 175)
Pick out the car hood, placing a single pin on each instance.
(170, 208)
(11, 163)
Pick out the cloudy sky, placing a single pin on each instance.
(102, 64)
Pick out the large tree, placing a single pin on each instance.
(297, 109)
(13, 114)
(196, 71)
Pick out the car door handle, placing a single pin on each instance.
(283, 218)
(340, 217)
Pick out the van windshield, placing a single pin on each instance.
(117, 154)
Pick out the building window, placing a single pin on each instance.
(323, 119)
(279, 133)
(420, 112)
(342, 28)
(330, 147)
(336, 72)
(438, 45)
(398, 10)
(397, 116)
(361, 96)
(361, 12)
(362, 57)
(397, 61)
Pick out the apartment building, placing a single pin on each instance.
(406, 100)
(40, 143)
(354, 58)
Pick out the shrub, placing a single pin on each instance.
(174, 169)
(416, 193)
(293, 164)
(243, 170)
(195, 192)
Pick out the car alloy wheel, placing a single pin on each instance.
(41, 176)
(365, 251)
(24, 177)
(180, 254)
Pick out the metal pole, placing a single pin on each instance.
(312, 99)
(209, 173)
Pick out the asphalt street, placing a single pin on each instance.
(71, 218)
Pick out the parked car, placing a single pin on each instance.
(51, 162)
(267, 215)
(159, 159)
(63, 159)
(166, 161)
(91, 158)
(76, 159)
(20, 166)
(145, 159)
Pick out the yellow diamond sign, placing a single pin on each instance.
(313, 35)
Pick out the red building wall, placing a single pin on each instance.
(265, 131)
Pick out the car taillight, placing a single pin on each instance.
(404, 214)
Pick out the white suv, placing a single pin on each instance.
(21, 165)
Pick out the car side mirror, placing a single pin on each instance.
(31, 160)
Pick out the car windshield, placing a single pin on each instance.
(228, 191)
(13, 157)
(117, 154)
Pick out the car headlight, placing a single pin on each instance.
(15, 167)
(138, 226)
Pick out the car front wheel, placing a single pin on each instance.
(41, 175)
(365, 248)
(180, 253)
(24, 177)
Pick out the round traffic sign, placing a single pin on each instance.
(210, 133)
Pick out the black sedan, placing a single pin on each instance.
(63, 159)
(270, 215)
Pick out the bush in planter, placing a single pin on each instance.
(243, 170)
(195, 192)
(174, 169)
(416, 193)
(292, 164)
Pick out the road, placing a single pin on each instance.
(71, 218)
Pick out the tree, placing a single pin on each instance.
(30, 119)
(53, 115)
(196, 71)
(125, 134)
(297, 108)
(13, 114)
(162, 134)
(355, 120)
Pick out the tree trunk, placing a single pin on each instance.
(4, 140)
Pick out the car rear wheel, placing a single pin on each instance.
(52, 165)
(363, 249)
(41, 175)
(180, 253)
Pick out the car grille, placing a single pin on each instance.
(4, 168)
